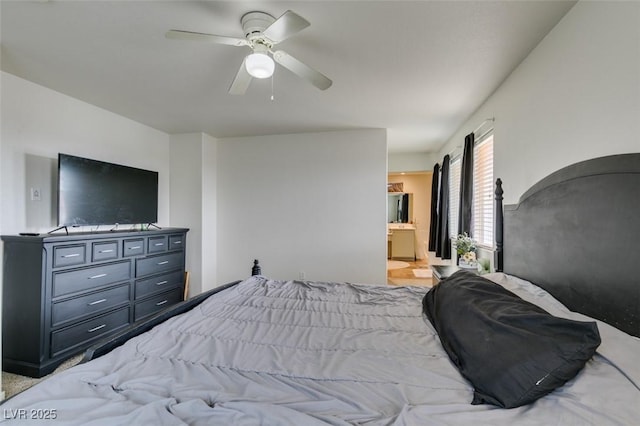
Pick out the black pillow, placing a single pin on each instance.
(512, 351)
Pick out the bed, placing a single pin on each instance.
(263, 351)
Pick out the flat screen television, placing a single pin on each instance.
(92, 192)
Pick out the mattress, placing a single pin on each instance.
(306, 353)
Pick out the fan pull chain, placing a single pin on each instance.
(272, 86)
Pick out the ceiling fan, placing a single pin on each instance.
(262, 32)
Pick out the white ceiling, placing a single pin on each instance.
(416, 68)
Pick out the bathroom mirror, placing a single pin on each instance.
(399, 207)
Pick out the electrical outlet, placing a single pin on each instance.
(302, 275)
(35, 194)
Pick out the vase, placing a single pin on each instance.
(467, 265)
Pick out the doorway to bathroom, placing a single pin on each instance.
(408, 220)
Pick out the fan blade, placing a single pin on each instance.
(189, 35)
(241, 81)
(301, 70)
(285, 26)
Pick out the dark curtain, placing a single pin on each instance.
(405, 208)
(466, 187)
(443, 244)
(433, 225)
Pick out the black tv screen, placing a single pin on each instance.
(92, 192)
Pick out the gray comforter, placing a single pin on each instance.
(301, 353)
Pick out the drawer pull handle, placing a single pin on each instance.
(91, 330)
(177, 242)
(97, 276)
(162, 283)
(106, 251)
(161, 303)
(134, 248)
(97, 302)
(163, 263)
(71, 255)
(158, 244)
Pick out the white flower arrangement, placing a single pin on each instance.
(464, 244)
(469, 257)
(466, 249)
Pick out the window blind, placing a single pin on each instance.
(482, 221)
(454, 195)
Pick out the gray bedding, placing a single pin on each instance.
(293, 353)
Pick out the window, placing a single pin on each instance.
(483, 192)
(482, 216)
(455, 168)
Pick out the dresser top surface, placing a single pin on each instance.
(78, 236)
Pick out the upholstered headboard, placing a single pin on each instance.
(576, 233)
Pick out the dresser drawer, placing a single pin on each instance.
(104, 251)
(157, 244)
(176, 242)
(69, 255)
(156, 303)
(133, 247)
(158, 283)
(89, 304)
(67, 338)
(88, 278)
(160, 263)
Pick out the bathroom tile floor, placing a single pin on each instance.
(406, 276)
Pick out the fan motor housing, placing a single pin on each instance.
(254, 23)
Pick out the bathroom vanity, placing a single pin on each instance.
(401, 238)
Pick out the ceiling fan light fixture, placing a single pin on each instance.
(259, 65)
(262, 32)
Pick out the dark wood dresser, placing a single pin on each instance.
(64, 292)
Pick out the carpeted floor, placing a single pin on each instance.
(14, 383)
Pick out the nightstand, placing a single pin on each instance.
(440, 272)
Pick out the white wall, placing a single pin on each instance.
(209, 250)
(575, 97)
(186, 202)
(411, 162)
(312, 203)
(38, 123)
(193, 204)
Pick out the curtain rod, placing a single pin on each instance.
(492, 119)
(454, 150)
